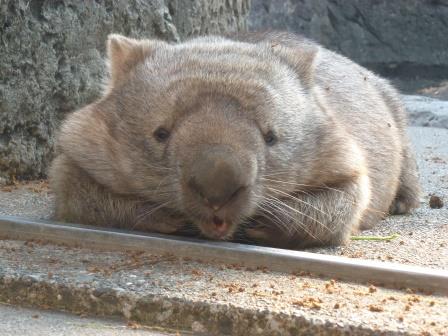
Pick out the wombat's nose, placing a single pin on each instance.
(217, 177)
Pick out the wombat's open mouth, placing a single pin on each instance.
(217, 228)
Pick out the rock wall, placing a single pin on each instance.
(51, 61)
(399, 38)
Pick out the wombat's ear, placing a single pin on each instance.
(125, 53)
(301, 58)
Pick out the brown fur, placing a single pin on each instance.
(340, 157)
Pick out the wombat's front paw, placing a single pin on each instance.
(263, 234)
(402, 205)
(168, 228)
(268, 234)
(159, 220)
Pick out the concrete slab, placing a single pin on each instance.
(32, 322)
(159, 290)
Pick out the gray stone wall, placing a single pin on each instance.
(51, 61)
(397, 38)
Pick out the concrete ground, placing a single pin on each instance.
(16, 321)
(225, 299)
(187, 295)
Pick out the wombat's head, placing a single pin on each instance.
(205, 128)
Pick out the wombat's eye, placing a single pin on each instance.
(161, 134)
(270, 138)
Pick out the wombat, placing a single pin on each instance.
(266, 138)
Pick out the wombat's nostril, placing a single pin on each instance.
(217, 177)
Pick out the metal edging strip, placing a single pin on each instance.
(353, 270)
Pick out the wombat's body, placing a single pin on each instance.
(269, 138)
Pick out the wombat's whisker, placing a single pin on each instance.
(247, 221)
(150, 212)
(262, 208)
(299, 200)
(301, 191)
(283, 204)
(277, 205)
(322, 186)
(267, 202)
(354, 202)
(274, 218)
(281, 224)
(265, 206)
(299, 212)
(161, 182)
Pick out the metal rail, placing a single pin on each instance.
(353, 270)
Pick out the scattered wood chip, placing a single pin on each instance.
(376, 308)
(435, 202)
(413, 298)
(308, 302)
(133, 325)
(372, 289)
(197, 272)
